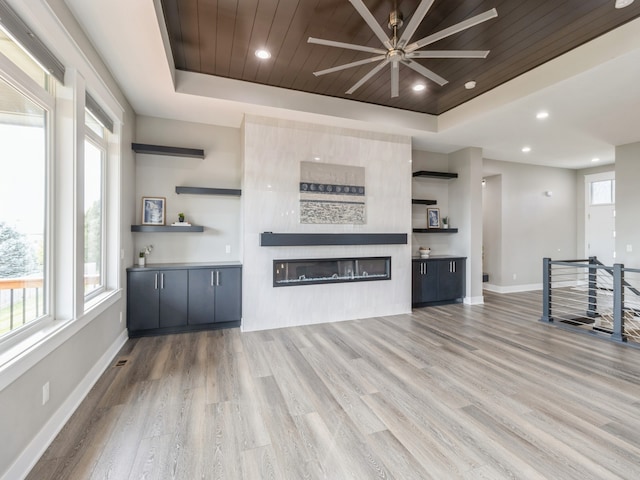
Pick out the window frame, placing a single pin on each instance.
(102, 144)
(16, 78)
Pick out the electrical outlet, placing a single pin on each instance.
(227, 249)
(515, 276)
(120, 317)
(45, 393)
(629, 248)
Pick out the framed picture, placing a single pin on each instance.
(433, 218)
(153, 210)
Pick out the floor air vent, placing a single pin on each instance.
(120, 363)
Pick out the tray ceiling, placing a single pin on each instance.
(219, 37)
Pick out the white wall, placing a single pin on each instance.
(73, 359)
(465, 200)
(492, 228)
(534, 225)
(157, 176)
(273, 150)
(627, 202)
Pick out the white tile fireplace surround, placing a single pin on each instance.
(273, 150)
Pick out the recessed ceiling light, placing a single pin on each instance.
(595, 159)
(526, 149)
(470, 85)
(263, 54)
(623, 3)
(418, 87)
(542, 115)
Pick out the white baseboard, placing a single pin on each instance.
(30, 455)
(474, 300)
(513, 288)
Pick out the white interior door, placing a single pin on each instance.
(600, 221)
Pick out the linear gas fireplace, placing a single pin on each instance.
(310, 271)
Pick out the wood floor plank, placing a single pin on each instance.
(447, 392)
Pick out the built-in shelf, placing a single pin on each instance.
(209, 191)
(166, 228)
(417, 201)
(444, 175)
(435, 230)
(165, 150)
(269, 239)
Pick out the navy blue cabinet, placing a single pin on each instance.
(214, 295)
(438, 280)
(173, 298)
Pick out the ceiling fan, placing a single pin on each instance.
(398, 51)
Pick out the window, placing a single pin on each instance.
(23, 205)
(602, 192)
(94, 205)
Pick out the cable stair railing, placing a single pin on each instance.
(589, 296)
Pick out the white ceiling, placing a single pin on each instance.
(591, 94)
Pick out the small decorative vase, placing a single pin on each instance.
(141, 261)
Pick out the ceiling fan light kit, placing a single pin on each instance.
(398, 50)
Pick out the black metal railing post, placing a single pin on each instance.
(618, 303)
(546, 290)
(592, 309)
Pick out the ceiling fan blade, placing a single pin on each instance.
(395, 79)
(349, 46)
(449, 54)
(350, 65)
(368, 17)
(425, 72)
(364, 79)
(458, 27)
(415, 21)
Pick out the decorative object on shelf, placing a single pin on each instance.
(445, 222)
(181, 221)
(142, 256)
(181, 217)
(433, 218)
(153, 210)
(424, 252)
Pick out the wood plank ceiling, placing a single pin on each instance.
(219, 37)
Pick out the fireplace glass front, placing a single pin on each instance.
(287, 273)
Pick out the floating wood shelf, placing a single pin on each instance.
(166, 228)
(435, 230)
(417, 201)
(443, 175)
(209, 191)
(170, 151)
(268, 239)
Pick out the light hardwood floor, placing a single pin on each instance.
(447, 392)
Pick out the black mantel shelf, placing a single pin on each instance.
(169, 151)
(269, 239)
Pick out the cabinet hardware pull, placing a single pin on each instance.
(162, 281)
(155, 286)
(217, 278)
(212, 278)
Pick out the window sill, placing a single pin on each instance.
(20, 354)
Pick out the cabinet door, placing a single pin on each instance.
(425, 281)
(451, 279)
(228, 306)
(173, 298)
(142, 300)
(201, 296)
